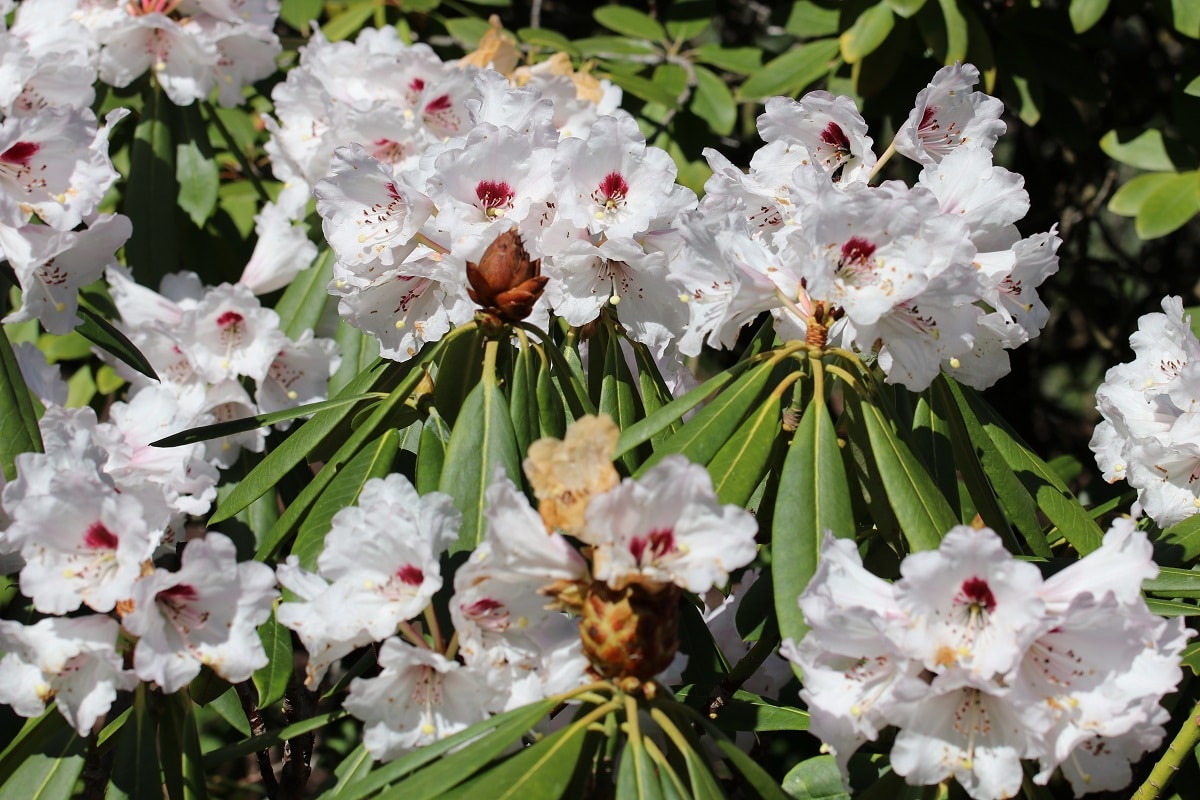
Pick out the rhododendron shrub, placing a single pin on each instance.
(380, 417)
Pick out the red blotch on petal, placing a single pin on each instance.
(228, 318)
(20, 153)
(977, 592)
(98, 537)
(857, 250)
(410, 574)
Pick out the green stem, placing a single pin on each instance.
(634, 735)
(1182, 746)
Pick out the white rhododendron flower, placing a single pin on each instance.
(72, 661)
(205, 613)
(1148, 435)
(948, 116)
(980, 663)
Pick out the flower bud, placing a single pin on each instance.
(506, 282)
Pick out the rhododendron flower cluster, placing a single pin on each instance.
(980, 662)
(923, 277)
(513, 637)
(1149, 433)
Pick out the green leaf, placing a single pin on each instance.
(922, 512)
(629, 22)
(229, 707)
(956, 31)
(997, 493)
(272, 680)
(1190, 657)
(81, 387)
(931, 443)
(552, 418)
(359, 351)
(458, 371)
(373, 461)
(431, 453)
(1187, 17)
(1168, 608)
(548, 39)
(1130, 198)
(179, 749)
(298, 13)
(44, 762)
(152, 251)
(813, 497)
(739, 60)
(136, 764)
(749, 712)
(101, 333)
(349, 21)
(635, 773)
(905, 8)
(817, 778)
(522, 401)
(1169, 207)
(662, 418)
(1086, 13)
(195, 168)
(713, 102)
(614, 46)
(868, 32)
(488, 739)
(645, 89)
(482, 441)
(756, 777)
(1181, 542)
(18, 421)
(222, 429)
(107, 380)
(687, 19)
(1051, 495)
(1145, 151)
(303, 302)
(711, 428)
(542, 770)
(1193, 88)
(739, 466)
(354, 767)
(808, 20)
(467, 30)
(70, 347)
(619, 394)
(791, 72)
(292, 451)
(1171, 582)
(215, 758)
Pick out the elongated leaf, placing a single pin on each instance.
(931, 443)
(45, 762)
(488, 739)
(195, 168)
(1170, 206)
(867, 33)
(922, 512)
(458, 370)
(482, 441)
(304, 300)
(1052, 496)
(746, 711)
(1129, 198)
(629, 22)
(552, 417)
(364, 433)
(298, 13)
(1180, 543)
(757, 778)
(741, 60)
(791, 72)
(570, 380)
(221, 429)
(373, 461)
(353, 768)
(635, 774)
(739, 466)
(349, 21)
(272, 680)
(609, 46)
(813, 497)
(1146, 150)
(1174, 583)
(1086, 13)
(522, 402)
(431, 454)
(136, 763)
(817, 778)
(152, 251)
(713, 102)
(215, 758)
(673, 411)
(179, 750)
(703, 436)
(300, 443)
(956, 31)
(618, 394)
(359, 351)
(997, 493)
(101, 333)
(542, 770)
(18, 421)
(645, 89)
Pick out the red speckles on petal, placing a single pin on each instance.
(977, 593)
(438, 104)
(179, 593)
(857, 251)
(653, 546)
(98, 537)
(411, 575)
(614, 187)
(494, 196)
(20, 153)
(229, 318)
(835, 137)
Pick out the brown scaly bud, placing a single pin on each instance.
(505, 282)
(630, 634)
